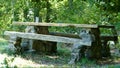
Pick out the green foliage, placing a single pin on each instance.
(109, 5)
(106, 31)
(11, 10)
(81, 12)
(86, 62)
(118, 44)
(63, 50)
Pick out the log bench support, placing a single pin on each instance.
(76, 54)
(11, 43)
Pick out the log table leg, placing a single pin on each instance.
(105, 49)
(96, 47)
(75, 55)
(44, 46)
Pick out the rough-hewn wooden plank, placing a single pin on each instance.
(47, 37)
(65, 34)
(56, 24)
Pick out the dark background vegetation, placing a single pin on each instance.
(62, 11)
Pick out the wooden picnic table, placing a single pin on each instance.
(96, 47)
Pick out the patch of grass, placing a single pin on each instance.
(63, 51)
(3, 44)
(4, 47)
(84, 61)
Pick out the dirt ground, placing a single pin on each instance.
(41, 60)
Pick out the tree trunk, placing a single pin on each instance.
(96, 47)
(43, 46)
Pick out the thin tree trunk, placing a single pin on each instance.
(70, 3)
(96, 46)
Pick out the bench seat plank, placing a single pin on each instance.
(46, 37)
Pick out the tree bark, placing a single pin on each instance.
(96, 47)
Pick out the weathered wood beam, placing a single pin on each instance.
(56, 24)
(106, 26)
(47, 37)
(109, 38)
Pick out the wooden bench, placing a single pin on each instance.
(45, 37)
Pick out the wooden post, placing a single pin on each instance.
(96, 45)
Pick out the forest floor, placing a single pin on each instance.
(57, 60)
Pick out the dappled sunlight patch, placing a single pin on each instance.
(117, 61)
(2, 57)
(53, 57)
(21, 62)
(2, 40)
